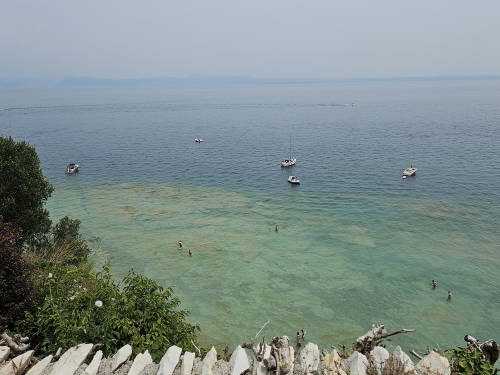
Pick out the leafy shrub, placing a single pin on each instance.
(14, 271)
(23, 188)
(137, 312)
(470, 362)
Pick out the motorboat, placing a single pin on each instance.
(291, 160)
(199, 140)
(288, 162)
(294, 180)
(408, 172)
(71, 168)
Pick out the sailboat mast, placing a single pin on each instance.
(290, 147)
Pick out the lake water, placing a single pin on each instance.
(357, 244)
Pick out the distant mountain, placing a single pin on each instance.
(82, 82)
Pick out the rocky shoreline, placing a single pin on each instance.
(278, 357)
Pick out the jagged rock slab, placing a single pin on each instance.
(333, 364)
(187, 363)
(197, 365)
(169, 360)
(358, 365)
(379, 356)
(209, 362)
(140, 362)
(71, 360)
(121, 356)
(94, 364)
(221, 367)
(433, 364)
(259, 368)
(40, 366)
(18, 364)
(4, 353)
(308, 359)
(239, 362)
(403, 359)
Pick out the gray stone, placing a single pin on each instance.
(71, 360)
(94, 364)
(140, 362)
(221, 367)
(259, 368)
(309, 359)
(403, 359)
(333, 364)
(4, 353)
(197, 365)
(433, 364)
(40, 366)
(358, 364)
(121, 356)
(209, 362)
(169, 360)
(379, 356)
(239, 362)
(18, 364)
(187, 363)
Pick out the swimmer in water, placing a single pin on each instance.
(190, 253)
(434, 284)
(449, 295)
(276, 228)
(180, 244)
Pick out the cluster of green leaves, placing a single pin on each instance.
(23, 188)
(137, 311)
(469, 362)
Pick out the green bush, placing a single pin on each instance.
(469, 362)
(138, 312)
(23, 188)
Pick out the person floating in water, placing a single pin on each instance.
(276, 228)
(190, 253)
(449, 295)
(180, 244)
(434, 284)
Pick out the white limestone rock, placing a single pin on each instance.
(358, 364)
(18, 364)
(93, 366)
(40, 366)
(169, 360)
(140, 362)
(187, 363)
(333, 364)
(71, 360)
(434, 364)
(309, 358)
(4, 353)
(379, 356)
(239, 361)
(208, 362)
(121, 356)
(221, 367)
(259, 368)
(403, 359)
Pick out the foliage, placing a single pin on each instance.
(66, 234)
(138, 312)
(23, 188)
(14, 286)
(470, 362)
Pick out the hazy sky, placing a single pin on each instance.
(262, 38)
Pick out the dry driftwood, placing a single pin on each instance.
(364, 344)
(16, 346)
(489, 349)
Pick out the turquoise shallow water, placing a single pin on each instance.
(357, 245)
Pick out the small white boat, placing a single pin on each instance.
(291, 160)
(71, 168)
(199, 140)
(288, 162)
(294, 180)
(408, 172)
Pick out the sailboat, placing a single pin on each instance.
(291, 160)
